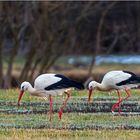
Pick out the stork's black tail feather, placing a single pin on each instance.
(77, 85)
(65, 83)
(138, 78)
(134, 79)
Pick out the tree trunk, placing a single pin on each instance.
(34, 68)
(52, 61)
(1, 67)
(7, 80)
(27, 65)
(98, 37)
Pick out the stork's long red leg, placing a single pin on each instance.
(119, 99)
(50, 97)
(117, 104)
(64, 104)
(128, 95)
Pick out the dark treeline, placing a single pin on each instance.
(44, 31)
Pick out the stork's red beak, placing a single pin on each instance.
(20, 96)
(89, 95)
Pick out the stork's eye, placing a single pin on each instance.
(90, 87)
(22, 87)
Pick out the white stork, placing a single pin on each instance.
(116, 80)
(50, 85)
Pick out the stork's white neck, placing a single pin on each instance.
(31, 89)
(100, 87)
(35, 92)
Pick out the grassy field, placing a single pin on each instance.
(51, 134)
(80, 120)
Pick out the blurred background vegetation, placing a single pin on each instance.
(66, 37)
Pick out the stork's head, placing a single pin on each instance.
(24, 86)
(91, 86)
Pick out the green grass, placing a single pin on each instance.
(73, 125)
(73, 121)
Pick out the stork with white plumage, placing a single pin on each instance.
(116, 80)
(48, 85)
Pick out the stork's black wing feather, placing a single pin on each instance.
(134, 79)
(64, 83)
(131, 73)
